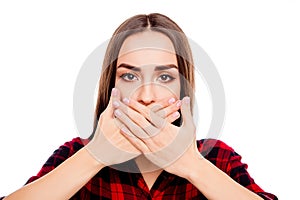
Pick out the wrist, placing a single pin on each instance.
(196, 169)
(90, 157)
(188, 167)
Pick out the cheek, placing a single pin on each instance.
(163, 91)
(170, 90)
(126, 89)
(157, 91)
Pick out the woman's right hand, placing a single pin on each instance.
(108, 145)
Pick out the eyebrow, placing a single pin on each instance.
(165, 67)
(157, 68)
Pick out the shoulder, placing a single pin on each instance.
(59, 156)
(229, 161)
(217, 152)
(207, 146)
(66, 150)
(70, 147)
(222, 156)
(74, 144)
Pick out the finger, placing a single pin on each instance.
(154, 107)
(118, 123)
(123, 129)
(136, 142)
(169, 109)
(136, 117)
(172, 117)
(186, 111)
(133, 127)
(162, 104)
(144, 110)
(157, 121)
(115, 95)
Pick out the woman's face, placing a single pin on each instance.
(147, 69)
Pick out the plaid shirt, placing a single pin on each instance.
(110, 183)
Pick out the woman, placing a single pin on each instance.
(143, 123)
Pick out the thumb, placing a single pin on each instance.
(186, 111)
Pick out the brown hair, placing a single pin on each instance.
(139, 23)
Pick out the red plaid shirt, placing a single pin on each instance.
(110, 183)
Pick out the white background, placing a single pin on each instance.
(255, 46)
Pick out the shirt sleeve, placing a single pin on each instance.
(226, 159)
(60, 155)
(238, 171)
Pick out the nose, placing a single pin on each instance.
(146, 95)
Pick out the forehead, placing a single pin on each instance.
(147, 47)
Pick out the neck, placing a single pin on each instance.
(149, 171)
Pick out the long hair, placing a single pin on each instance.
(139, 23)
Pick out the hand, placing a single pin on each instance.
(108, 145)
(108, 138)
(166, 145)
(166, 108)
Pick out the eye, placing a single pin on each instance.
(129, 77)
(165, 78)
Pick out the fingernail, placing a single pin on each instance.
(172, 100)
(176, 114)
(178, 104)
(114, 92)
(126, 100)
(187, 100)
(118, 113)
(116, 104)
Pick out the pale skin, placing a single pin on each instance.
(142, 83)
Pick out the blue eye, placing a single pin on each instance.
(129, 77)
(165, 78)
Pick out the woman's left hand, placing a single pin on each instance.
(170, 147)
